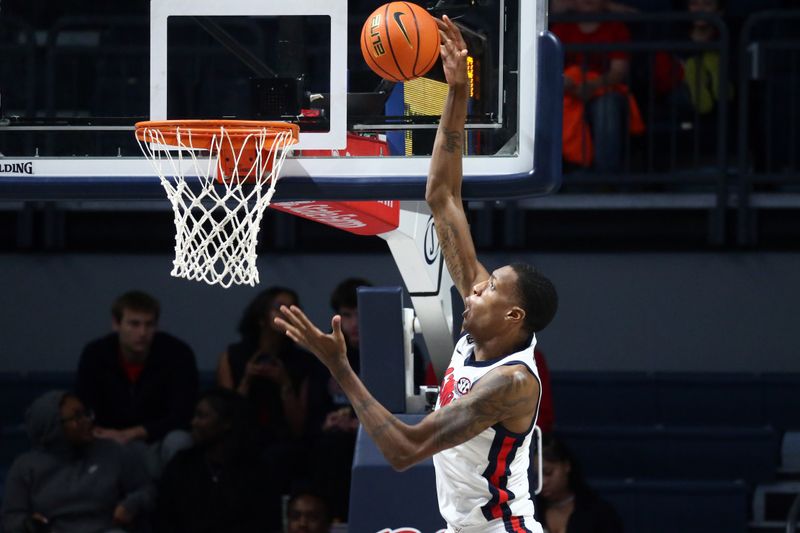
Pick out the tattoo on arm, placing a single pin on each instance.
(387, 423)
(448, 240)
(503, 396)
(363, 406)
(452, 140)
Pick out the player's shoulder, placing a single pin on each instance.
(517, 372)
(511, 378)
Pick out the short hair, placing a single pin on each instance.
(256, 310)
(538, 297)
(346, 293)
(135, 301)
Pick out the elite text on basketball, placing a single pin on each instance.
(374, 32)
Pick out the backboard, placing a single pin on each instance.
(66, 126)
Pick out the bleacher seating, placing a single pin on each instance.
(720, 400)
(676, 399)
(685, 506)
(750, 454)
(665, 445)
(593, 399)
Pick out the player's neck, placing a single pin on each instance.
(496, 347)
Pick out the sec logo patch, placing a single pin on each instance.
(463, 386)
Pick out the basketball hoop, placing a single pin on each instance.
(217, 219)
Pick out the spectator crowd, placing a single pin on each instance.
(136, 446)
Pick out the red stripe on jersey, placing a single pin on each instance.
(499, 471)
(517, 525)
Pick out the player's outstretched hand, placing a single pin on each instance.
(330, 348)
(453, 52)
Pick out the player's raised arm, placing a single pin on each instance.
(443, 191)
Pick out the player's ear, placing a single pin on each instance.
(516, 314)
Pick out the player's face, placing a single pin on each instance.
(486, 309)
(555, 480)
(136, 331)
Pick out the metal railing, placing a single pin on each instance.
(681, 158)
(768, 112)
(660, 107)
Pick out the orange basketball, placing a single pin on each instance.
(400, 41)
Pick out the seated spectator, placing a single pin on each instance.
(219, 485)
(566, 503)
(307, 512)
(596, 97)
(72, 482)
(278, 378)
(141, 383)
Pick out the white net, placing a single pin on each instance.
(217, 221)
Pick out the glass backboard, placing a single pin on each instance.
(75, 78)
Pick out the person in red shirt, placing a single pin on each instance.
(599, 71)
(140, 382)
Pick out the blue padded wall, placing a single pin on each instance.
(383, 498)
(380, 315)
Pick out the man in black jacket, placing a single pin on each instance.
(141, 383)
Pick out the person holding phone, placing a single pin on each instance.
(275, 375)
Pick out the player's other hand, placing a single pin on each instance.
(453, 52)
(330, 348)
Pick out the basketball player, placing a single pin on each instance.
(480, 433)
